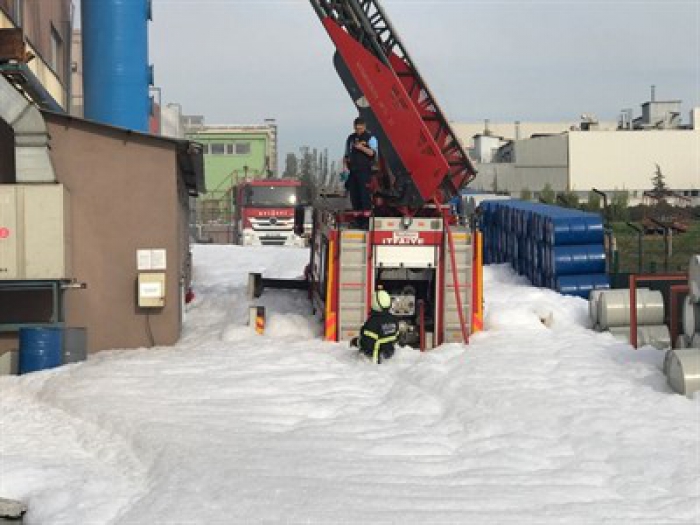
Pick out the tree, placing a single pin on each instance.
(568, 199)
(291, 166)
(619, 206)
(526, 194)
(659, 182)
(306, 166)
(593, 202)
(547, 194)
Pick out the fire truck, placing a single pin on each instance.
(264, 212)
(417, 251)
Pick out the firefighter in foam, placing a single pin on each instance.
(381, 330)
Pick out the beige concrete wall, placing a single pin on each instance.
(543, 152)
(538, 162)
(513, 179)
(627, 159)
(580, 161)
(466, 130)
(124, 197)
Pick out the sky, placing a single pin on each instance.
(241, 61)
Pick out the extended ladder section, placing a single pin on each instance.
(417, 144)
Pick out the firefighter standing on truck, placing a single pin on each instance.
(381, 330)
(360, 157)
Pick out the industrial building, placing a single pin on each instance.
(232, 153)
(35, 48)
(94, 214)
(517, 130)
(593, 155)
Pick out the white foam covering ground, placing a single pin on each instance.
(539, 420)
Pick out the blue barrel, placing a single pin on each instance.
(581, 285)
(578, 229)
(40, 349)
(570, 260)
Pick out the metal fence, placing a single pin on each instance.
(640, 253)
(214, 218)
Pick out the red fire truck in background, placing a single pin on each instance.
(264, 212)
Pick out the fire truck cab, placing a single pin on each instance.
(264, 212)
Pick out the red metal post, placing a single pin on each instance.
(634, 279)
(676, 290)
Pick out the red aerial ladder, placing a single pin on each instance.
(428, 263)
(426, 160)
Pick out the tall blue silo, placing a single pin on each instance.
(116, 73)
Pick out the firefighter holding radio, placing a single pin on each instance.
(360, 158)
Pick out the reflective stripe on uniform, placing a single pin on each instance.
(378, 342)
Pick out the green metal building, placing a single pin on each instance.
(231, 154)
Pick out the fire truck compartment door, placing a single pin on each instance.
(406, 257)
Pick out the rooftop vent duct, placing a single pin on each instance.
(32, 161)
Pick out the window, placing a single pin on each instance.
(695, 193)
(242, 148)
(229, 149)
(217, 149)
(56, 49)
(205, 149)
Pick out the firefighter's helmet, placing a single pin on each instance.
(381, 301)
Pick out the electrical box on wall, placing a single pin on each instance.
(34, 232)
(151, 290)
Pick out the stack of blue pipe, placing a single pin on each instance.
(553, 247)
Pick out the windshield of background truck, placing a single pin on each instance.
(271, 196)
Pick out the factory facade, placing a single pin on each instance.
(94, 217)
(234, 152)
(35, 45)
(580, 157)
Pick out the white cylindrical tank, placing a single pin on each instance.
(593, 300)
(695, 341)
(614, 308)
(683, 371)
(691, 318)
(657, 336)
(594, 305)
(694, 278)
(667, 360)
